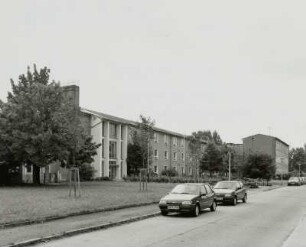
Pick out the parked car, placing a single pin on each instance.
(294, 181)
(252, 183)
(230, 192)
(189, 198)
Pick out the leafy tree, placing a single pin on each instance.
(208, 136)
(195, 151)
(134, 158)
(38, 125)
(140, 150)
(297, 156)
(259, 166)
(212, 159)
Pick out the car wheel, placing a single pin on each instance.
(234, 201)
(196, 211)
(164, 213)
(244, 199)
(213, 206)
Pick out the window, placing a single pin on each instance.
(112, 131)
(182, 169)
(165, 168)
(166, 140)
(121, 149)
(174, 168)
(155, 169)
(102, 168)
(203, 190)
(183, 158)
(103, 128)
(208, 189)
(112, 150)
(28, 168)
(174, 141)
(190, 171)
(166, 155)
(174, 156)
(155, 137)
(182, 143)
(122, 132)
(102, 146)
(156, 154)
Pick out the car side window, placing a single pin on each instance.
(203, 190)
(239, 185)
(209, 191)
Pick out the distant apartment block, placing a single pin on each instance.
(276, 148)
(169, 151)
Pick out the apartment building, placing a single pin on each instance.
(273, 146)
(112, 132)
(169, 151)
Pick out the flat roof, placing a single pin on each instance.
(270, 137)
(126, 121)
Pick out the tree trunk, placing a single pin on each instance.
(36, 175)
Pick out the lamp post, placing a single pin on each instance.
(299, 169)
(229, 166)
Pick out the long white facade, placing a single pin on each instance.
(110, 160)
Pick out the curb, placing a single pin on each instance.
(80, 230)
(271, 188)
(52, 218)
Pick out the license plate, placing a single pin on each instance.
(173, 207)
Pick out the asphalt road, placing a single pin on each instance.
(272, 218)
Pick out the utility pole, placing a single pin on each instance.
(299, 170)
(229, 166)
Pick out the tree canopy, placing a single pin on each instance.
(259, 166)
(212, 160)
(140, 150)
(297, 156)
(39, 125)
(207, 135)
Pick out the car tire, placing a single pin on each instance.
(244, 199)
(196, 211)
(213, 206)
(164, 213)
(234, 202)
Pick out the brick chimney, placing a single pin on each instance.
(72, 92)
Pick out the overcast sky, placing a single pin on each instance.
(238, 67)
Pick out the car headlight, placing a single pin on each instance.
(162, 202)
(228, 195)
(187, 202)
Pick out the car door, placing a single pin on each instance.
(240, 192)
(203, 197)
(210, 195)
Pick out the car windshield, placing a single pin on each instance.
(225, 185)
(186, 189)
(295, 179)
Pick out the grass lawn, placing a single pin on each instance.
(29, 202)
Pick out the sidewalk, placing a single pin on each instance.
(29, 234)
(74, 225)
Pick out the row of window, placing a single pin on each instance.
(112, 149)
(113, 130)
(166, 140)
(166, 155)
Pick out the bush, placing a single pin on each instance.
(102, 179)
(176, 179)
(169, 172)
(86, 172)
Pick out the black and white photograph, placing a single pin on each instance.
(152, 123)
